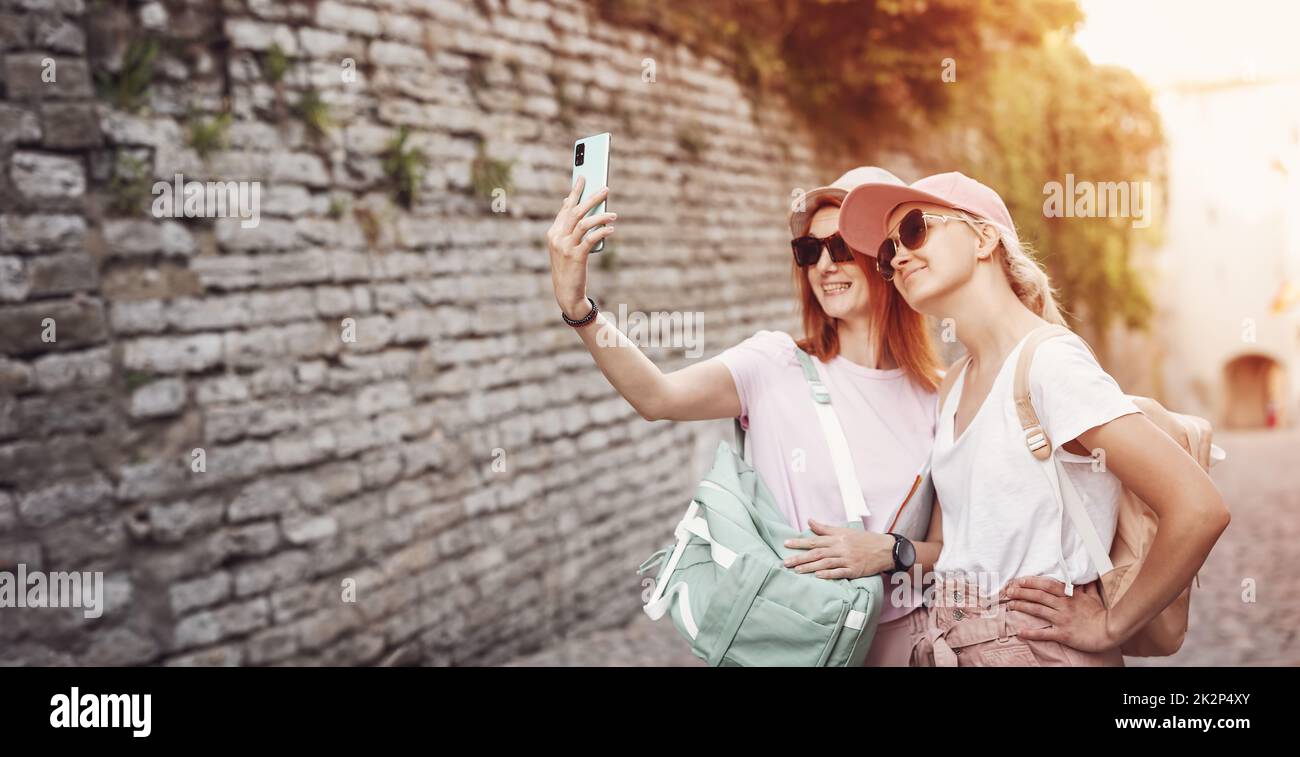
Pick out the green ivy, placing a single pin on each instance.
(488, 174)
(207, 135)
(312, 109)
(276, 64)
(128, 89)
(129, 187)
(404, 167)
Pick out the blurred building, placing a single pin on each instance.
(1226, 282)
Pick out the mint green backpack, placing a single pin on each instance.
(724, 583)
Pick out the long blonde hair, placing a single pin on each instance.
(1027, 277)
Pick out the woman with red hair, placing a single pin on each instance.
(880, 368)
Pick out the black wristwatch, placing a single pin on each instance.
(904, 554)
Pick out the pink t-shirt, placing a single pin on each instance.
(888, 420)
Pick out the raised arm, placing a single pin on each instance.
(698, 392)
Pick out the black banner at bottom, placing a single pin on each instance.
(304, 707)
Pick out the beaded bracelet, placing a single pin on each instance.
(583, 321)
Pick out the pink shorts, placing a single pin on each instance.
(895, 641)
(963, 629)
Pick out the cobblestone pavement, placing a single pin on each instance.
(1260, 481)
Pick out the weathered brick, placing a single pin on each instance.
(281, 306)
(117, 647)
(320, 628)
(58, 33)
(397, 54)
(158, 399)
(215, 625)
(227, 655)
(18, 125)
(254, 35)
(71, 323)
(200, 592)
(206, 313)
(253, 539)
(302, 448)
(173, 354)
(354, 19)
(271, 573)
(61, 274)
(70, 126)
(305, 530)
(142, 317)
(43, 176)
(176, 521)
(8, 512)
(156, 478)
(221, 389)
(85, 539)
(235, 462)
(327, 484)
(271, 645)
(40, 232)
(259, 499)
(319, 43)
(125, 237)
(153, 15)
(56, 501)
(15, 280)
(26, 80)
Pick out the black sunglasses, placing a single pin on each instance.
(912, 231)
(808, 249)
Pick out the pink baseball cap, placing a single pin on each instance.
(810, 201)
(866, 209)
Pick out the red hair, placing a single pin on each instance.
(901, 331)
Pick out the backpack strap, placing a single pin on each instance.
(1067, 497)
(660, 600)
(855, 506)
(1035, 437)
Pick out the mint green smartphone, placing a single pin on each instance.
(591, 161)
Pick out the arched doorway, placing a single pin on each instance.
(1254, 392)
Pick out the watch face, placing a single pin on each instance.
(906, 554)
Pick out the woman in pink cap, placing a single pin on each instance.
(949, 246)
(882, 371)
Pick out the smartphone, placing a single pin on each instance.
(591, 161)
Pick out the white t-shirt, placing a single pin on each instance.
(1001, 519)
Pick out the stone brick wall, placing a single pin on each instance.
(462, 460)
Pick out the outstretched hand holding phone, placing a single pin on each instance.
(701, 391)
(570, 243)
